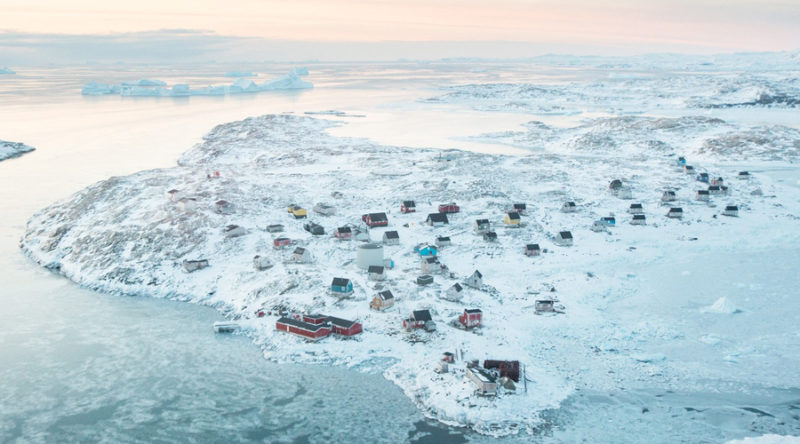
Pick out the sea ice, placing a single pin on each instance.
(13, 149)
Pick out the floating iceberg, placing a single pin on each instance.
(723, 305)
(13, 149)
(241, 74)
(6, 70)
(99, 89)
(145, 82)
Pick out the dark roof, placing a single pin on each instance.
(431, 259)
(377, 217)
(731, 208)
(513, 215)
(608, 218)
(281, 239)
(704, 174)
(391, 235)
(681, 158)
(520, 206)
(315, 316)
(443, 238)
(638, 217)
(386, 294)
(409, 203)
(532, 246)
(565, 235)
(569, 204)
(300, 324)
(473, 310)
(490, 235)
(343, 230)
(702, 191)
(342, 323)
(340, 282)
(275, 225)
(457, 286)
(478, 273)
(616, 183)
(375, 269)
(713, 188)
(482, 221)
(636, 205)
(222, 202)
(231, 227)
(744, 173)
(676, 210)
(669, 192)
(299, 250)
(421, 315)
(438, 217)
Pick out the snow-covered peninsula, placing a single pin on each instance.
(13, 149)
(126, 235)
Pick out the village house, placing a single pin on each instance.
(485, 383)
(481, 226)
(430, 265)
(341, 287)
(261, 263)
(675, 213)
(475, 280)
(187, 203)
(688, 169)
(680, 161)
(274, 228)
(544, 305)
(506, 369)
(382, 301)
(668, 196)
(306, 330)
(636, 208)
(703, 177)
(569, 207)
(224, 207)
(715, 190)
(609, 221)
(324, 209)
(563, 238)
(454, 293)
(639, 219)
(450, 207)
(532, 250)
(420, 319)
(408, 206)
(375, 219)
(512, 219)
(281, 242)
(471, 317)
(519, 208)
(391, 238)
(702, 195)
(426, 250)
(174, 195)
(314, 228)
(234, 231)
(718, 181)
(743, 175)
(437, 219)
(298, 212)
(731, 210)
(443, 241)
(194, 265)
(490, 236)
(424, 279)
(375, 273)
(343, 233)
(301, 255)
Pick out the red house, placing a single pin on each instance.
(281, 242)
(344, 327)
(509, 369)
(375, 219)
(343, 233)
(471, 317)
(313, 332)
(449, 208)
(408, 206)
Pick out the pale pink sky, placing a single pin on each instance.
(724, 24)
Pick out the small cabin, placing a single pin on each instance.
(475, 280)
(639, 219)
(313, 228)
(454, 293)
(424, 279)
(375, 219)
(490, 236)
(481, 226)
(301, 255)
(234, 231)
(274, 228)
(261, 263)
(615, 184)
(437, 219)
(564, 239)
(281, 242)
(224, 207)
(688, 169)
(187, 203)
(512, 219)
(324, 209)
(194, 265)
(636, 208)
(506, 369)
(430, 265)
(743, 175)
(485, 383)
(703, 177)
(382, 301)
(532, 250)
(174, 195)
(376, 273)
(544, 305)
(717, 181)
(341, 286)
(675, 213)
(344, 327)
(519, 208)
(450, 207)
(731, 210)
(391, 238)
(408, 206)
(343, 233)
(420, 319)
(609, 221)
(306, 330)
(702, 195)
(426, 250)
(569, 207)
(443, 241)
(471, 317)
(668, 196)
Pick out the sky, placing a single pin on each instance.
(388, 29)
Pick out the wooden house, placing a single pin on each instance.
(544, 305)
(512, 219)
(675, 213)
(569, 207)
(424, 279)
(471, 317)
(314, 228)
(301, 255)
(437, 219)
(324, 209)
(702, 195)
(454, 293)
(731, 210)
(420, 319)
(443, 241)
(375, 219)
(312, 332)
(668, 196)
(703, 177)
(519, 208)
(341, 287)
(344, 327)
(450, 207)
(475, 280)
(376, 273)
(194, 265)
(506, 369)
(426, 250)
(532, 250)
(639, 219)
(343, 233)
(391, 238)
(636, 208)
(481, 226)
(281, 242)
(490, 236)
(224, 207)
(234, 231)
(717, 181)
(261, 262)
(274, 228)
(382, 301)
(564, 238)
(187, 203)
(174, 195)
(408, 206)
(485, 383)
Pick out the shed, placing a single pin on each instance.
(424, 279)
(437, 219)
(481, 226)
(274, 228)
(475, 280)
(194, 265)
(343, 233)
(408, 206)
(490, 236)
(224, 207)
(731, 210)
(382, 301)
(314, 228)
(443, 241)
(375, 219)
(675, 213)
(639, 219)
(261, 262)
(471, 317)
(512, 219)
(564, 238)
(454, 293)
(341, 286)
(234, 231)
(313, 332)
(507, 369)
(569, 207)
(532, 250)
(344, 327)
(280, 242)
(485, 383)
(324, 209)
(636, 208)
(391, 238)
(301, 255)
(702, 195)
(375, 273)
(544, 305)
(449, 207)
(187, 203)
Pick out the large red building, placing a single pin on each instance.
(306, 330)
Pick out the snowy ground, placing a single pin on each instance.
(124, 235)
(13, 149)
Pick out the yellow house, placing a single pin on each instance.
(382, 301)
(512, 218)
(298, 212)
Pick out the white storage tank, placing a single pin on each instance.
(369, 254)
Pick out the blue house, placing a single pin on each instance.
(426, 250)
(703, 177)
(341, 286)
(681, 161)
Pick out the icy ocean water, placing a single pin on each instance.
(80, 366)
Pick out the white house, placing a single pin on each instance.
(563, 238)
(475, 280)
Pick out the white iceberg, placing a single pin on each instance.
(723, 305)
(99, 89)
(6, 70)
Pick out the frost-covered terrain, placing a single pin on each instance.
(13, 149)
(158, 88)
(124, 235)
